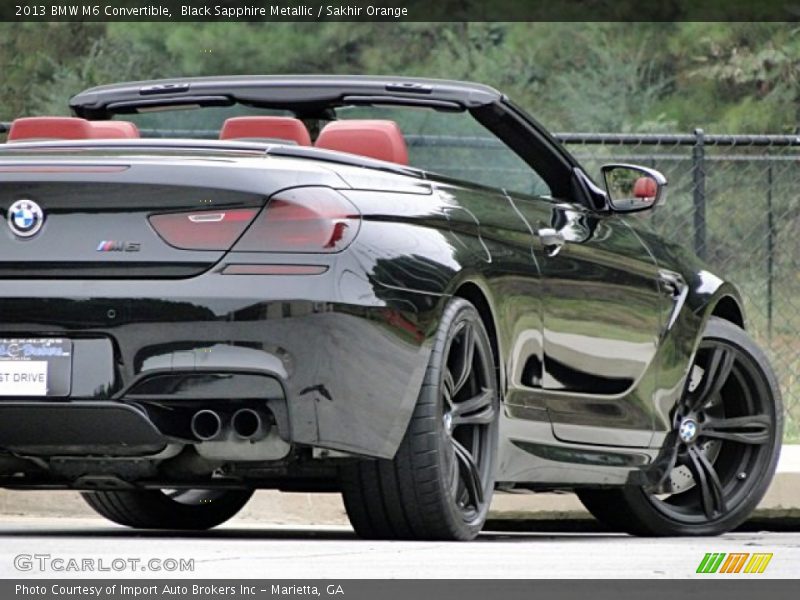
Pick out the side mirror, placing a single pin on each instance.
(631, 188)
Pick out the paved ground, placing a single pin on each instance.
(244, 549)
(568, 544)
(269, 506)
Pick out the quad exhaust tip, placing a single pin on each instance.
(248, 424)
(206, 425)
(245, 424)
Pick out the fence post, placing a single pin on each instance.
(699, 192)
(770, 252)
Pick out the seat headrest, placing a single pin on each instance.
(645, 187)
(277, 128)
(372, 138)
(69, 128)
(112, 130)
(49, 128)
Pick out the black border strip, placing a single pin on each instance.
(401, 10)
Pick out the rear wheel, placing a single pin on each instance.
(168, 509)
(721, 454)
(440, 483)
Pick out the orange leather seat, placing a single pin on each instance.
(378, 139)
(49, 128)
(279, 128)
(69, 128)
(109, 130)
(645, 187)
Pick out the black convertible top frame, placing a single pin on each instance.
(304, 94)
(315, 96)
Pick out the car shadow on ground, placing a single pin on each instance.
(542, 531)
(504, 530)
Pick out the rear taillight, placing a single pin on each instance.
(307, 219)
(203, 230)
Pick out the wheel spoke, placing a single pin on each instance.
(469, 474)
(451, 465)
(750, 429)
(478, 410)
(467, 351)
(707, 480)
(447, 388)
(715, 374)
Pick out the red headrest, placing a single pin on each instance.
(645, 187)
(376, 139)
(112, 130)
(281, 128)
(50, 128)
(69, 128)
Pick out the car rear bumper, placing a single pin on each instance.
(344, 355)
(112, 427)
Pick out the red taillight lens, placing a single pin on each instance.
(203, 230)
(308, 219)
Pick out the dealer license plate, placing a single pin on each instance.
(35, 367)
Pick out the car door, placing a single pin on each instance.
(601, 323)
(486, 224)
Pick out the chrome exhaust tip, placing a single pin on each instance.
(248, 424)
(206, 425)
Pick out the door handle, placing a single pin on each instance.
(676, 288)
(552, 240)
(672, 283)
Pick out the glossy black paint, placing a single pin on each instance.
(593, 337)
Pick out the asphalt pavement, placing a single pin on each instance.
(68, 547)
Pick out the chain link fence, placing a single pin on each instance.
(735, 200)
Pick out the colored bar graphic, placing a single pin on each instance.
(758, 563)
(711, 562)
(734, 562)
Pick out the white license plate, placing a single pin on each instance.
(23, 378)
(35, 367)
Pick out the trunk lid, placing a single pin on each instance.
(130, 214)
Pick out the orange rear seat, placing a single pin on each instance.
(69, 128)
(275, 128)
(378, 139)
(49, 128)
(114, 130)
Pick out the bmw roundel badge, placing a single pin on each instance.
(25, 218)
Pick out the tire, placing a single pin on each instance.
(727, 432)
(440, 483)
(168, 509)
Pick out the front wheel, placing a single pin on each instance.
(440, 483)
(186, 509)
(721, 454)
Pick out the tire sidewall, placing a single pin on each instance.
(202, 516)
(458, 311)
(153, 509)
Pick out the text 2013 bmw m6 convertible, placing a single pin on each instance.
(403, 290)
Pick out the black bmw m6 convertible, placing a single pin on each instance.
(402, 290)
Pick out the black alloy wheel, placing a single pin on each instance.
(440, 483)
(719, 457)
(469, 416)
